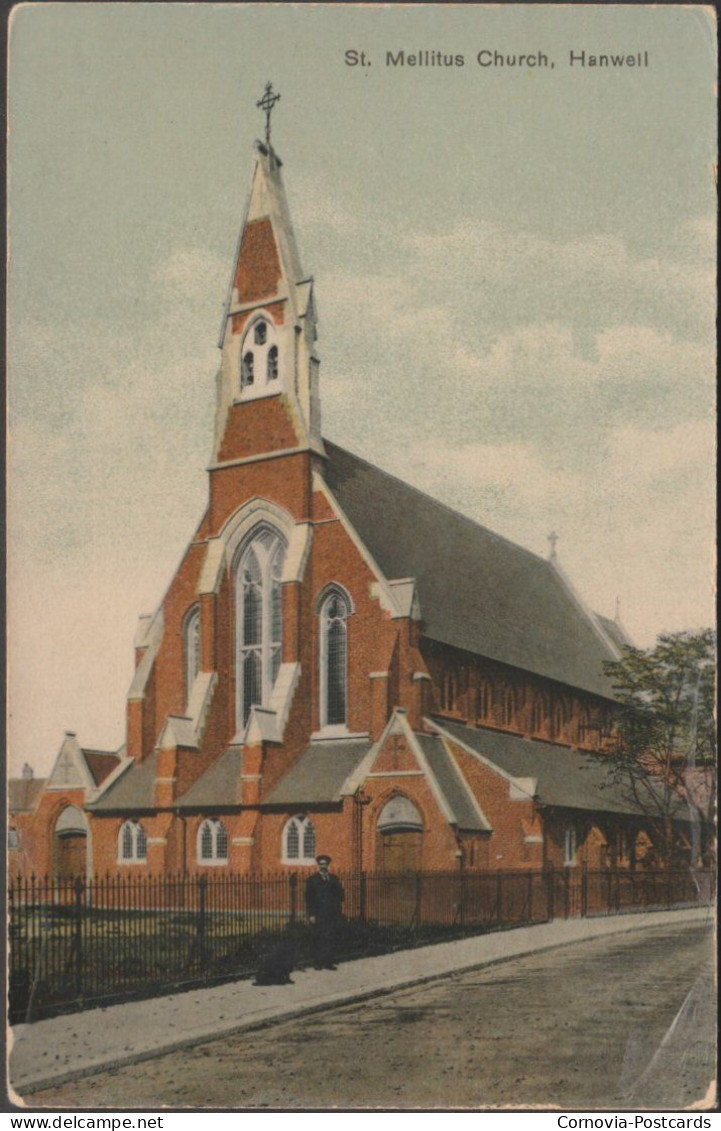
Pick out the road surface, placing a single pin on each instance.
(622, 1022)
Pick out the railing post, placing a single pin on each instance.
(293, 881)
(363, 897)
(566, 890)
(202, 889)
(550, 886)
(584, 890)
(419, 897)
(499, 898)
(530, 897)
(78, 937)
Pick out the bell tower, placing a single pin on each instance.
(267, 399)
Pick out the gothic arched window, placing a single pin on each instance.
(484, 700)
(260, 358)
(272, 363)
(191, 648)
(299, 841)
(212, 843)
(259, 620)
(247, 373)
(559, 718)
(334, 658)
(132, 843)
(508, 706)
(539, 713)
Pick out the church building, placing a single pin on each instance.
(340, 663)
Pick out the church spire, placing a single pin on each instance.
(268, 334)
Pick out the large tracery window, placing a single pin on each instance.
(334, 658)
(259, 614)
(299, 841)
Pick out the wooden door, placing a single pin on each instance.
(71, 855)
(400, 851)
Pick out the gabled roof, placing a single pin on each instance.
(24, 793)
(477, 590)
(101, 763)
(133, 790)
(564, 778)
(465, 812)
(319, 774)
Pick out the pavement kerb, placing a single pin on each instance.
(333, 1001)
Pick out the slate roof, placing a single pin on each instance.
(101, 763)
(218, 786)
(319, 774)
(477, 590)
(465, 814)
(23, 793)
(132, 791)
(613, 629)
(565, 778)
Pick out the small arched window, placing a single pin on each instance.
(212, 843)
(132, 843)
(272, 363)
(570, 846)
(539, 713)
(191, 647)
(484, 700)
(334, 658)
(508, 706)
(299, 841)
(259, 358)
(247, 374)
(259, 619)
(559, 718)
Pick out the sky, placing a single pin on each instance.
(514, 272)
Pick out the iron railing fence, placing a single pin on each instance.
(79, 942)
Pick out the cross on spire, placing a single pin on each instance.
(267, 103)
(553, 539)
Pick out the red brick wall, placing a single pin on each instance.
(258, 270)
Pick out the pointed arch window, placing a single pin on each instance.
(539, 713)
(259, 618)
(259, 367)
(570, 846)
(509, 706)
(334, 612)
(299, 841)
(191, 648)
(559, 718)
(212, 843)
(484, 700)
(132, 843)
(273, 363)
(247, 374)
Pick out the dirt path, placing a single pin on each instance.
(582, 1026)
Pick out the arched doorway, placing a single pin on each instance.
(71, 843)
(400, 836)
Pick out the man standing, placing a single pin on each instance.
(323, 900)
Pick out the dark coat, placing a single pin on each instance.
(323, 897)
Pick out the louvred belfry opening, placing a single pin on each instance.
(268, 386)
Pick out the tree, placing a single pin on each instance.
(664, 742)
